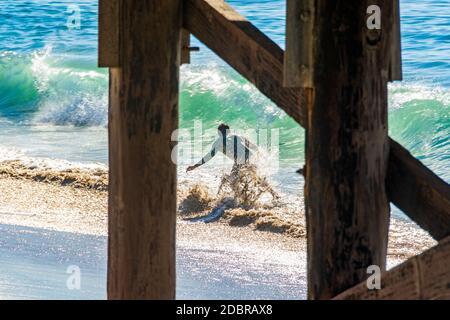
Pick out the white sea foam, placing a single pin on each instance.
(68, 96)
(14, 154)
(403, 92)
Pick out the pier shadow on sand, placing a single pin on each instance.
(34, 264)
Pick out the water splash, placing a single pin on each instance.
(246, 186)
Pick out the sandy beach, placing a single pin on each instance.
(54, 218)
(48, 226)
(80, 206)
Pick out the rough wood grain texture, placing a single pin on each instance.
(108, 33)
(260, 61)
(395, 66)
(417, 191)
(185, 44)
(347, 209)
(298, 58)
(143, 114)
(426, 276)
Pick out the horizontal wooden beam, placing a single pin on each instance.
(426, 276)
(422, 195)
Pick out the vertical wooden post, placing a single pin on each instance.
(298, 58)
(185, 44)
(347, 209)
(108, 33)
(143, 115)
(395, 68)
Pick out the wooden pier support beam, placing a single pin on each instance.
(347, 148)
(143, 114)
(186, 48)
(395, 48)
(185, 44)
(108, 33)
(298, 58)
(422, 277)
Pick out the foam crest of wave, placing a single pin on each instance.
(69, 96)
(401, 93)
(419, 119)
(44, 88)
(14, 154)
(219, 92)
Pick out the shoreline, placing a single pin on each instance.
(75, 200)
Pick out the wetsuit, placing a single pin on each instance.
(234, 147)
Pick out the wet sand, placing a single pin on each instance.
(44, 205)
(50, 222)
(80, 206)
(47, 227)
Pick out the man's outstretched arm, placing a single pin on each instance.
(251, 145)
(205, 159)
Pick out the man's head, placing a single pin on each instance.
(223, 129)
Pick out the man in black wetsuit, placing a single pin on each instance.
(237, 148)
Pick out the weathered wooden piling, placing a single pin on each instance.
(299, 55)
(143, 113)
(185, 47)
(347, 147)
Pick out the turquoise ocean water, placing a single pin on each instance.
(53, 98)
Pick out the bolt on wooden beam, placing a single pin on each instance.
(185, 43)
(186, 48)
